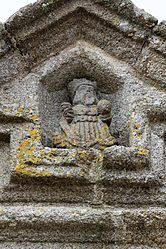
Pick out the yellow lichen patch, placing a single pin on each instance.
(32, 159)
(32, 148)
(19, 155)
(38, 159)
(34, 117)
(26, 142)
(37, 139)
(137, 125)
(142, 151)
(35, 133)
(19, 109)
(29, 152)
(32, 138)
(28, 170)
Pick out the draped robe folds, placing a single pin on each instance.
(85, 130)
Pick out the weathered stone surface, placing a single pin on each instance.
(83, 224)
(80, 196)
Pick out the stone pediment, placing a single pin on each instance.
(47, 27)
(82, 122)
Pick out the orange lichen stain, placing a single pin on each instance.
(142, 151)
(32, 148)
(32, 138)
(34, 117)
(30, 132)
(32, 159)
(19, 155)
(81, 172)
(34, 133)
(48, 153)
(26, 142)
(19, 109)
(29, 152)
(55, 140)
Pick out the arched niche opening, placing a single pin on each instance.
(83, 60)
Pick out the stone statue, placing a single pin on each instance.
(85, 123)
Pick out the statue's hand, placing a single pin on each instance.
(104, 111)
(68, 112)
(104, 107)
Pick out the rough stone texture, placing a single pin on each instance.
(78, 198)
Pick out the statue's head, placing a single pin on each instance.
(83, 91)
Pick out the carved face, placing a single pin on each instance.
(85, 95)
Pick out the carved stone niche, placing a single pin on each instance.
(88, 139)
(81, 119)
(80, 136)
(56, 146)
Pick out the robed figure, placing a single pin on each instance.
(85, 121)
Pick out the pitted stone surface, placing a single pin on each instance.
(110, 197)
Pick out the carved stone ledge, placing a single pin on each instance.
(83, 224)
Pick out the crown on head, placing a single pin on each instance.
(76, 83)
